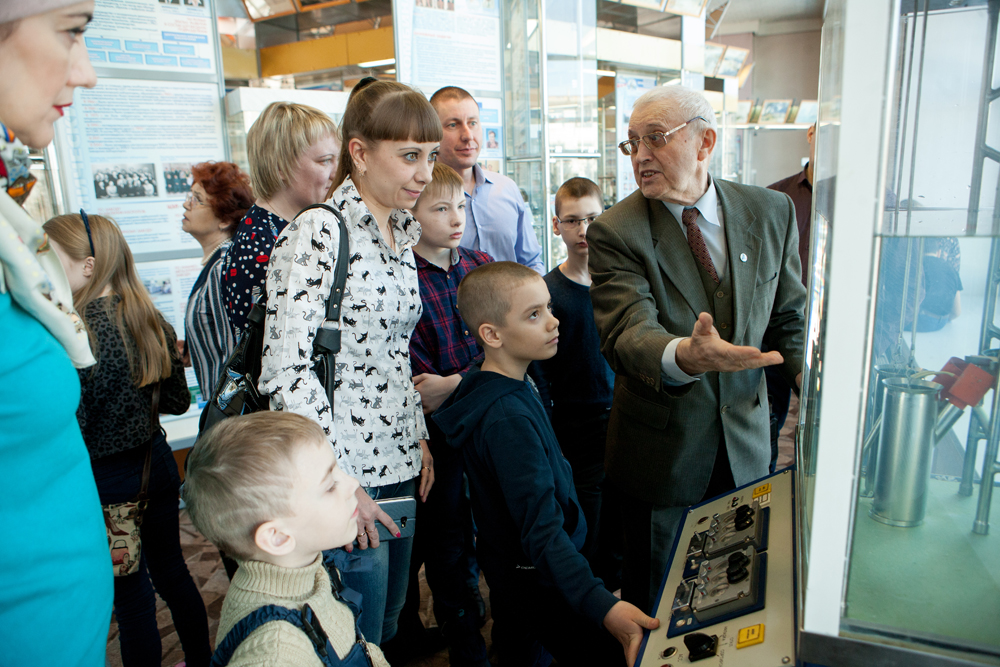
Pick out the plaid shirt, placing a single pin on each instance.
(441, 343)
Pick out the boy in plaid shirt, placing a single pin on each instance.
(442, 349)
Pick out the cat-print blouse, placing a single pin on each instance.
(377, 418)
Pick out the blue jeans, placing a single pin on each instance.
(161, 564)
(383, 589)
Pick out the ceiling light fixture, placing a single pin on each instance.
(377, 63)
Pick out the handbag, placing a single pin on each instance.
(122, 520)
(236, 390)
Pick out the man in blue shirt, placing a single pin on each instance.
(497, 220)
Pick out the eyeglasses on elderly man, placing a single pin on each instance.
(654, 140)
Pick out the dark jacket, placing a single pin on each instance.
(522, 489)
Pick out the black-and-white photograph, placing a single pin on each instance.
(125, 180)
(177, 177)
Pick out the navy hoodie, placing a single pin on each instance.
(522, 489)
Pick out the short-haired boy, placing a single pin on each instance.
(580, 382)
(442, 349)
(266, 489)
(544, 597)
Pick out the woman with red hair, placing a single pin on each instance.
(220, 196)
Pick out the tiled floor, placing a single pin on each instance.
(206, 567)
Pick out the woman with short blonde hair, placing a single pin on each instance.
(292, 149)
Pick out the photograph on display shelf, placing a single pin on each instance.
(808, 112)
(686, 7)
(713, 56)
(774, 112)
(732, 61)
(742, 114)
(124, 180)
(177, 177)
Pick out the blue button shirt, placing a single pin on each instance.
(498, 223)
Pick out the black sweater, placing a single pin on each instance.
(522, 489)
(114, 414)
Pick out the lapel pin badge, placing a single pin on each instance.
(743, 257)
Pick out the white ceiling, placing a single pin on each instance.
(742, 11)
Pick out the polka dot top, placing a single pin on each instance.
(245, 265)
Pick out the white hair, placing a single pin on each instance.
(688, 102)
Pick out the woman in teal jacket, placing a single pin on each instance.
(55, 566)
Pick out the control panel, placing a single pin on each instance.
(728, 596)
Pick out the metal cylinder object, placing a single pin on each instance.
(870, 453)
(904, 454)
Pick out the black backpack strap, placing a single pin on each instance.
(304, 620)
(327, 340)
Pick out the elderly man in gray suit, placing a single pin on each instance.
(691, 275)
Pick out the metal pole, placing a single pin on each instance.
(978, 426)
(981, 526)
(987, 96)
(916, 118)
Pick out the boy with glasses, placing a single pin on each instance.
(580, 382)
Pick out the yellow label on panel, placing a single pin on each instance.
(761, 490)
(750, 636)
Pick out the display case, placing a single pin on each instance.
(899, 425)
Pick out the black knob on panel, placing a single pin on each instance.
(735, 575)
(738, 559)
(700, 646)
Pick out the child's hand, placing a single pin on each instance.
(433, 389)
(626, 622)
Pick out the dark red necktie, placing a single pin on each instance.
(697, 242)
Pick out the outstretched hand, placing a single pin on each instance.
(626, 622)
(705, 351)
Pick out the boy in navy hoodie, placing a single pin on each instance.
(545, 600)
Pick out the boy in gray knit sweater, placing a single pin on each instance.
(266, 489)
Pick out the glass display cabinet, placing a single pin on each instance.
(899, 424)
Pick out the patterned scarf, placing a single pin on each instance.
(29, 268)
(15, 167)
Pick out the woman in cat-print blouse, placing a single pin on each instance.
(391, 136)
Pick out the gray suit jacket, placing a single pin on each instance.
(662, 439)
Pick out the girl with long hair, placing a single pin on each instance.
(137, 359)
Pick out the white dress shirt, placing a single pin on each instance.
(712, 225)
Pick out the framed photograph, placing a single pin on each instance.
(258, 10)
(742, 114)
(774, 112)
(686, 7)
(732, 61)
(713, 56)
(808, 112)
